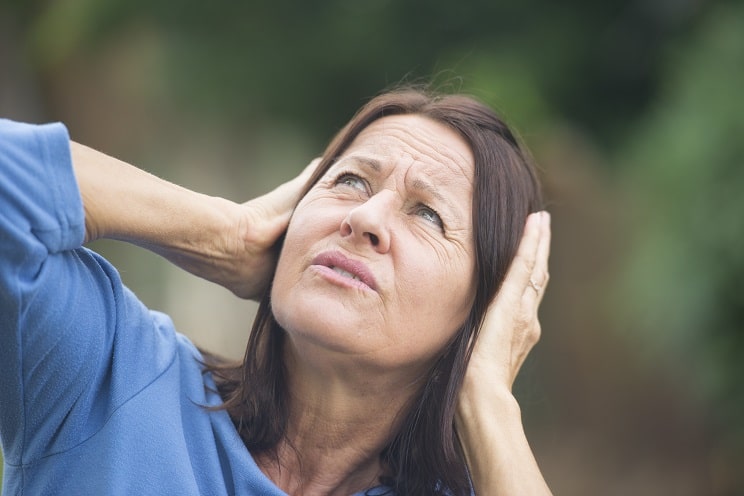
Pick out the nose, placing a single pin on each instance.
(369, 222)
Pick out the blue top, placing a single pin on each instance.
(98, 394)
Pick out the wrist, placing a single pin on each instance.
(482, 400)
(492, 437)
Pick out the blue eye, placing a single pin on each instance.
(430, 215)
(351, 180)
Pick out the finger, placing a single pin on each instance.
(282, 199)
(516, 283)
(540, 274)
(520, 271)
(296, 184)
(543, 248)
(534, 290)
(309, 169)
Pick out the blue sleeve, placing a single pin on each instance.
(70, 333)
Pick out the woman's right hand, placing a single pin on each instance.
(216, 239)
(263, 220)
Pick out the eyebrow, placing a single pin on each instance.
(372, 163)
(422, 185)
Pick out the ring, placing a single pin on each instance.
(534, 285)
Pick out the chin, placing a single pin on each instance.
(314, 324)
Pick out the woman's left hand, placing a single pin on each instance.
(488, 417)
(511, 326)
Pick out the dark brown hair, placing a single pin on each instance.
(424, 458)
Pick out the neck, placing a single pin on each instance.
(340, 420)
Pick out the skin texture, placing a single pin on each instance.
(224, 242)
(396, 210)
(374, 206)
(337, 377)
(488, 416)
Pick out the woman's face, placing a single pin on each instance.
(378, 260)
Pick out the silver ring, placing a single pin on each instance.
(534, 285)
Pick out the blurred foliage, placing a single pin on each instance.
(652, 85)
(684, 167)
(315, 62)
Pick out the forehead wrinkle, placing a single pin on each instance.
(427, 156)
(419, 184)
(394, 128)
(423, 147)
(428, 150)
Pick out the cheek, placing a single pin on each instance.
(439, 299)
(308, 226)
(314, 217)
(280, 285)
(289, 265)
(310, 221)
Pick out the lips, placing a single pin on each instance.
(353, 270)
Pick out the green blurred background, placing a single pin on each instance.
(632, 109)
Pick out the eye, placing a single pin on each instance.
(351, 180)
(430, 215)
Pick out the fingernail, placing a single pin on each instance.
(534, 218)
(546, 217)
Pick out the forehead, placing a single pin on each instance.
(415, 139)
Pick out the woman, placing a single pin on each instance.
(363, 357)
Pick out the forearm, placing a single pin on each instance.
(498, 455)
(122, 202)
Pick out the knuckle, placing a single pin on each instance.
(525, 267)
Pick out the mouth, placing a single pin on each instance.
(339, 270)
(346, 269)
